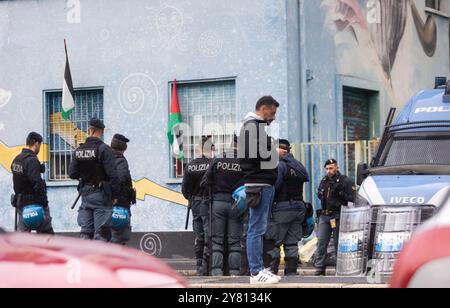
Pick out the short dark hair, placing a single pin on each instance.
(95, 129)
(284, 144)
(268, 101)
(331, 161)
(32, 138)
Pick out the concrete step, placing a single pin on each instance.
(308, 272)
(187, 268)
(287, 282)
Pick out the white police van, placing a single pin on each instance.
(407, 181)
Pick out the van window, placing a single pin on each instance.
(417, 150)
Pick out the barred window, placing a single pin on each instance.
(63, 137)
(205, 105)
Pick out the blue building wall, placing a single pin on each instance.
(146, 44)
(270, 46)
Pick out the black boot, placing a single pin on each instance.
(268, 248)
(275, 266)
(320, 272)
(267, 258)
(291, 267)
(244, 265)
(199, 267)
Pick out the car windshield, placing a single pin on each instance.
(417, 149)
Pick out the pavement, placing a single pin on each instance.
(305, 279)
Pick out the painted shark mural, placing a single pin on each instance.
(386, 35)
(386, 22)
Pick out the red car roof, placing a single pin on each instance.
(424, 248)
(47, 261)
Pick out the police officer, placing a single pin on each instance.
(198, 198)
(29, 187)
(288, 213)
(223, 177)
(127, 195)
(93, 164)
(335, 190)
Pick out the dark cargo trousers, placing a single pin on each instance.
(200, 226)
(325, 231)
(285, 229)
(226, 229)
(95, 214)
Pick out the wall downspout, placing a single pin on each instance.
(304, 118)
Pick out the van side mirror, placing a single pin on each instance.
(362, 173)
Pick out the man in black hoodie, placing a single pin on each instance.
(288, 214)
(259, 160)
(127, 195)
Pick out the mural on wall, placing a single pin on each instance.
(144, 187)
(384, 23)
(388, 33)
(427, 31)
(387, 26)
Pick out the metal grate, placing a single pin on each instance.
(348, 153)
(209, 108)
(63, 137)
(417, 150)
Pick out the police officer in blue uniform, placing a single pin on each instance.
(29, 187)
(288, 213)
(199, 198)
(93, 164)
(127, 195)
(223, 177)
(335, 190)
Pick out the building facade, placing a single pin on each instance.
(336, 67)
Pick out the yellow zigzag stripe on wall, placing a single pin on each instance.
(7, 154)
(143, 187)
(65, 130)
(146, 187)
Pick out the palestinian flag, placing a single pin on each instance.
(175, 119)
(68, 95)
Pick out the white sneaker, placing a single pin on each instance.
(269, 272)
(263, 278)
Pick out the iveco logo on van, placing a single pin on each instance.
(407, 200)
(432, 109)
